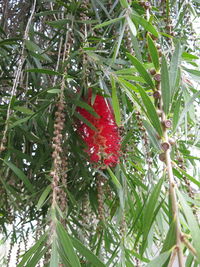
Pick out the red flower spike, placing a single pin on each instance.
(104, 144)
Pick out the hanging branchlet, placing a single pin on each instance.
(11, 245)
(18, 249)
(57, 149)
(26, 240)
(128, 41)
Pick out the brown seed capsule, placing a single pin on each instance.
(147, 5)
(159, 112)
(165, 146)
(180, 160)
(172, 141)
(152, 71)
(162, 157)
(157, 77)
(156, 95)
(168, 27)
(167, 124)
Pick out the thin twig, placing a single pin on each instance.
(173, 257)
(172, 193)
(188, 245)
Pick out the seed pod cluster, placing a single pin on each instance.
(57, 149)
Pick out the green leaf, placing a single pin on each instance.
(54, 261)
(176, 115)
(131, 26)
(170, 239)
(106, 23)
(188, 56)
(32, 250)
(174, 65)
(153, 53)
(193, 72)
(53, 91)
(160, 260)
(151, 111)
(141, 69)
(85, 106)
(58, 23)
(92, 258)
(150, 206)
(192, 223)
(152, 135)
(24, 110)
(146, 24)
(83, 119)
(124, 3)
(44, 71)
(18, 122)
(66, 244)
(115, 103)
(37, 257)
(43, 197)
(165, 86)
(19, 173)
(192, 179)
(11, 41)
(186, 108)
(114, 178)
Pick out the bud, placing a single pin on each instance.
(172, 141)
(152, 71)
(157, 77)
(165, 146)
(147, 5)
(167, 124)
(162, 157)
(159, 112)
(156, 95)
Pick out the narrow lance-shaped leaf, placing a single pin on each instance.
(152, 135)
(114, 178)
(54, 261)
(131, 26)
(141, 69)
(124, 3)
(20, 174)
(192, 223)
(175, 61)
(43, 197)
(106, 23)
(146, 24)
(151, 111)
(92, 258)
(160, 260)
(66, 245)
(150, 207)
(115, 103)
(186, 109)
(153, 53)
(44, 71)
(176, 112)
(165, 86)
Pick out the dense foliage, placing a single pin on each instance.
(139, 60)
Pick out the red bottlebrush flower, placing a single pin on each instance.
(104, 144)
